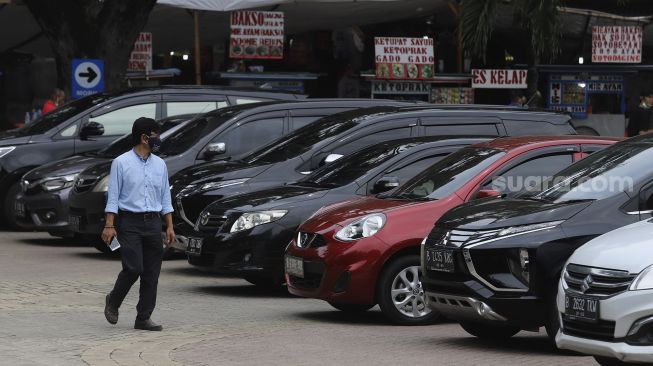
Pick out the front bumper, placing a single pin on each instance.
(44, 211)
(89, 209)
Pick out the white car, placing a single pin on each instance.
(605, 297)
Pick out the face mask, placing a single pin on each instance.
(154, 143)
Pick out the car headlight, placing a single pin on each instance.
(6, 150)
(249, 220)
(644, 281)
(56, 183)
(363, 228)
(102, 185)
(523, 229)
(225, 183)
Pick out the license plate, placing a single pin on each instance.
(194, 246)
(19, 208)
(439, 260)
(73, 222)
(582, 307)
(295, 266)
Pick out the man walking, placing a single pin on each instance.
(138, 196)
(640, 118)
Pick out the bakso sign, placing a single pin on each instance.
(616, 44)
(499, 79)
(257, 35)
(404, 58)
(141, 57)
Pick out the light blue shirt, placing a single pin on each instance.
(138, 185)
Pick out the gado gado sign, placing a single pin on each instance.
(256, 34)
(141, 56)
(499, 79)
(617, 44)
(404, 58)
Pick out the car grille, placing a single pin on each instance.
(310, 240)
(458, 237)
(84, 182)
(596, 281)
(602, 330)
(211, 222)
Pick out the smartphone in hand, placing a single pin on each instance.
(114, 244)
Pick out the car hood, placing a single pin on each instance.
(10, 138)
(266, 199)
(497, 213)
(99, 169)
(190, 180)
(343, 212)
(629, 248)
(72, 165)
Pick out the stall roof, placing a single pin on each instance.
(595, 68)
(230, 5)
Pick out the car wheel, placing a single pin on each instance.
(400, 294)
(9, 216)
(351, 308)
(485, 331)
(605, 361)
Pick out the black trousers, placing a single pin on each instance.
(141, 248)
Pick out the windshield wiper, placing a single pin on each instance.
(532, 198)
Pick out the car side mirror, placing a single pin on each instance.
(385, 184)
(214, 149)
(485, 193)
(330, 159)
(91, 129)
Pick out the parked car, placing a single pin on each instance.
(494, 265)
(93, 122)
(246, 235)
(604, 297)
(365, 251)
(42, 204)
(222, 134)
(305, 150)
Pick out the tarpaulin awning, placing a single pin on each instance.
(229, 5)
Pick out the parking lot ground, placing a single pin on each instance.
(51, 313)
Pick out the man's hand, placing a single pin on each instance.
(108, 234)
(170, 236)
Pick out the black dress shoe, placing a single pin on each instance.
(110, 312)
(147, 325)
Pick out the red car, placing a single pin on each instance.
(366, 251)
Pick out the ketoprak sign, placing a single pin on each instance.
(404, 58)
(499, 79)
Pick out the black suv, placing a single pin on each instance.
(494, 265)
(303, 151)
(93, 122)
(222, 134)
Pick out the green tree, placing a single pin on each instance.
(103, 29)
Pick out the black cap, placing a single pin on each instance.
(142, 126)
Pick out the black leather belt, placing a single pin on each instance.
(145, 215)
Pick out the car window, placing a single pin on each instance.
(407, 171)
(476, 129)
(177, 108)
(120, 121)
(530, 172)
(299, 122)
(69, 131)
(370, 139)
(646, 199)
(252, 135)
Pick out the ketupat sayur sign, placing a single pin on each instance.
(404, 58)
(257, 35)
(499, 79)
(616, 44)
(141, 56)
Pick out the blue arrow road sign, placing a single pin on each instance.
(88, 77)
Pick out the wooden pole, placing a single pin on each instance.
(455, 9)
(196, 25)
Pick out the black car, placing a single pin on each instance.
(93, 122)
(305, 150)
(236, 242)
(222, 134)
(42, 205)
(494, 265)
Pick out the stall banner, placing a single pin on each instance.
(499, 79)
(616, 44)
(141, 56)
(404, 58)
(399, 87)
(257, 35)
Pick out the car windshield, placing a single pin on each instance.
(190, 134)
(62, 114)
(449, 174)
(125, 143)
(346, 170)
(603, 174)
(303, 139)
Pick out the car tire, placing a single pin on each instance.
(605, 361)
(9, 216)
(351, 308)
(400, 282)
(484, 331)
